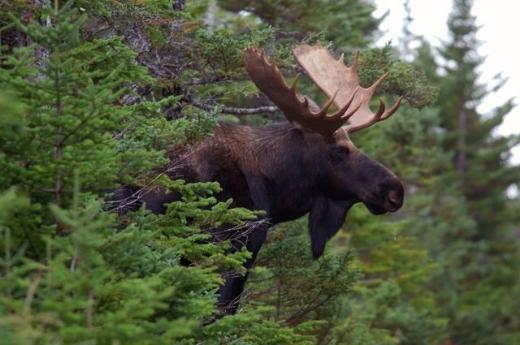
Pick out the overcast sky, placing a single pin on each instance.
(499, 28)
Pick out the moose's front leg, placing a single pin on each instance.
(231, 292)
(253, 237)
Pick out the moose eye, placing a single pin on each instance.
(338, 154)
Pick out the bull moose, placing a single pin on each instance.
(306, 165)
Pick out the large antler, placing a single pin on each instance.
(296, 108)
(336, 79)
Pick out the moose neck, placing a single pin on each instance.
(280, 164)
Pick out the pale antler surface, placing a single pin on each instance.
(333, 76)
(296, 108)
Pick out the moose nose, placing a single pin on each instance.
(394, 200)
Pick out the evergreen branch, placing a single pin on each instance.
(82, 122)
(298, 316)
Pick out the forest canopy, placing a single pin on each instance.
(95, 94)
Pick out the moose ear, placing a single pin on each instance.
(325, 219)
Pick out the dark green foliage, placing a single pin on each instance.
(486, 282)
(104, 284)
(69, 110)
(346, 22)
(404, 79)
(71, 272)
(476, 148)
(299, 288)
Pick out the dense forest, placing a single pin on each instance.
(96, 94)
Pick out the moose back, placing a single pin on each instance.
(306, 165)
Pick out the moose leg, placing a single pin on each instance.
(254, 238)
(231, 291)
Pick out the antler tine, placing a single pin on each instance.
(350, 114)
(393, 109)
(380, 115)
(375, 118)
(344, 109)
(341, 112)
(380, 109)
(295, 82)
(324, 109)
(378, 82)
(327, 105)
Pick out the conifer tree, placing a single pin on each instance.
(483, 176)
(472, 135)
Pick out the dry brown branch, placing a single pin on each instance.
(235, 110)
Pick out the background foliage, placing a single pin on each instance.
(93, 93)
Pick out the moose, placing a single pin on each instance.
(306, 165)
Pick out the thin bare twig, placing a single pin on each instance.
(74, 260)
(31, 291)
(235, 110)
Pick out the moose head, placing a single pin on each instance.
(347, 175)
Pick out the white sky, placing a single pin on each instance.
(498, 33)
